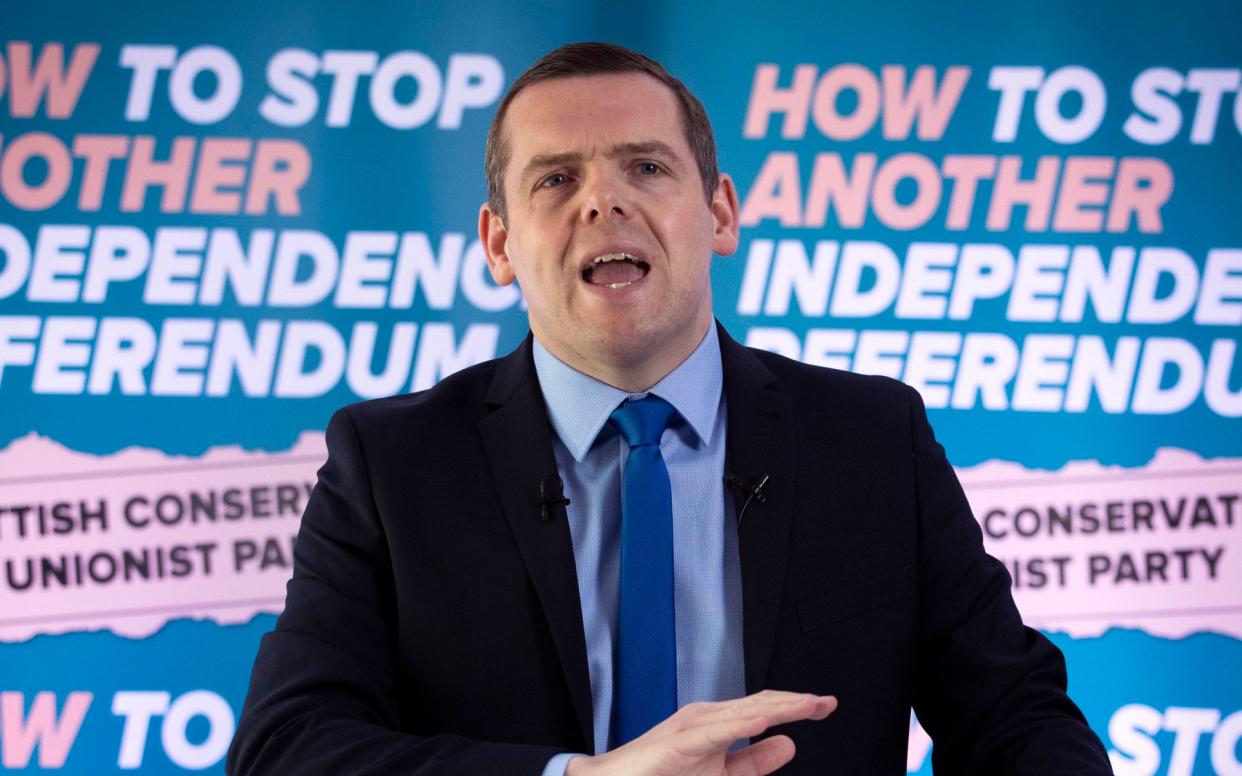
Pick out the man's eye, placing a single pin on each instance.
(649, 168)
(555, 179)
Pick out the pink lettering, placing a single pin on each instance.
(932, 108)
(98, 152)
(777, 192)
(144, 171)
(1010, 190)
(29, 84)
(831, 186)
(766, 98)
(966, 172)
(281, 168)
(214, 172)
(824, 110)
(894, 214)
(1143, 186)
(46, 193)
(1083, 184)
(54, 737)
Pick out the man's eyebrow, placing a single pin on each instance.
(642, 148)
(637, 148)
(543, 161)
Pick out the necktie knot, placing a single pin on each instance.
(642, 421)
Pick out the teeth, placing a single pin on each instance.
(613, 257)
(589, 269)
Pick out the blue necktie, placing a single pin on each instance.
(645, 690)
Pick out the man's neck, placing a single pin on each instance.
(634, 376)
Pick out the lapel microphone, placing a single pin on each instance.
(752, 490)
(552, 501)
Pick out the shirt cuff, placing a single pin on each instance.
(557, 765)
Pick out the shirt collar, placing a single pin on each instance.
(579, 405)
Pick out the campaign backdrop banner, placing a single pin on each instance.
(221, 221)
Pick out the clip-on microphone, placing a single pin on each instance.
(551, 496)
(752, 490)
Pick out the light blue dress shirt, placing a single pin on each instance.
(707, 586)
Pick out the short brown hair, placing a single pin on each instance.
(576, 59)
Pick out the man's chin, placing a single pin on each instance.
(622, 345)
(631, 341)
(637, 346)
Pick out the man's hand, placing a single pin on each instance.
(695, 741)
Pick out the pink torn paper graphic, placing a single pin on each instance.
(129, 541)
(1091, 547)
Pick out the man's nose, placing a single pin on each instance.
(604, 199)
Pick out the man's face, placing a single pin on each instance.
(607, 229)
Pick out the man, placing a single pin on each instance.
(744, 542)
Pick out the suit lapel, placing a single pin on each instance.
(518, 441)
(761, 442)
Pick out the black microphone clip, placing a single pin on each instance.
(753, 490)
(551, 496)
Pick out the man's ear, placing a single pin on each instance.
(494, 237)
(724, 212)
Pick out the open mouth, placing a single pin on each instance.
(615, 270)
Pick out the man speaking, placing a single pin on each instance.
(634, 538)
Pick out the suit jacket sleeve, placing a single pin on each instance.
(990, 691)
(322, 696)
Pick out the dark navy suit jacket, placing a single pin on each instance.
(432, 625)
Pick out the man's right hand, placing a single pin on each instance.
(695, 741)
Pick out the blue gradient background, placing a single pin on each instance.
(369, 176)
